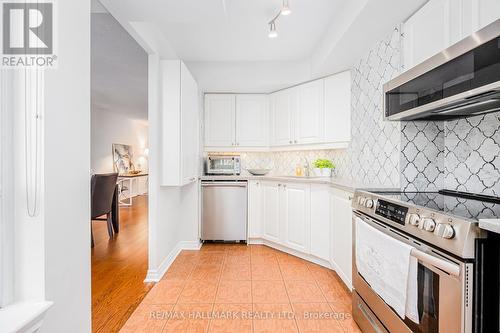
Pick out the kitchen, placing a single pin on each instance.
(385, 152)
(322, 166)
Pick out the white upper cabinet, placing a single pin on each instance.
(427, 32)
(337, 121)
(236, 121)
(220, 114)
(282, 117)
(488, 11)
(441, 23)
(309, 115)
(190, 120)
(180, 124)
(314, 115)
(252, 121)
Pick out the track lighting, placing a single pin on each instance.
(285, 10)
(272, 32)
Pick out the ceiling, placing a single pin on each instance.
(229, 37)
(119, 69)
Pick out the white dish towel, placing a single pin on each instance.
(388, 267)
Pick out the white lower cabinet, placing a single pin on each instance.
(270, 192)
(320, 221)
(341, 234)
(295, 216)
(255, 216)
(314, 220)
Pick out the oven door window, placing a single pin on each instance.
(428, 302)
(221, 164)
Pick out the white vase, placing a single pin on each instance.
(325, 172)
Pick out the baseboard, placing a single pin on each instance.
(308, 257)
(155, 275)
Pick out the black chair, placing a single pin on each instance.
(104, 201)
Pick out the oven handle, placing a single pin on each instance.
(446, 266)
(443, 265)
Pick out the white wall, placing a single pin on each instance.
(110, 127)
(173, 211)
(67, 181)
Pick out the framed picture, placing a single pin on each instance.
(122, 158)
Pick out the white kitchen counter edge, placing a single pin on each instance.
(339, 183)
(23, 316)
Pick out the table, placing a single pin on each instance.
(137, 185)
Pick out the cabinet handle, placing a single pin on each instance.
(232, 143)
(350, 198)
(290, 141)
(279, 184)
(296, 141)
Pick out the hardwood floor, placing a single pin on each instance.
(119, 267)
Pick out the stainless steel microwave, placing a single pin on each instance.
(223, 165)
(461, 81)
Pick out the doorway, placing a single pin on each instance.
(119, 148)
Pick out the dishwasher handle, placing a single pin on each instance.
(224, 184)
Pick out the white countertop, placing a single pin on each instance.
(340, 183)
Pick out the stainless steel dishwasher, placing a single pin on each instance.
(224, 211)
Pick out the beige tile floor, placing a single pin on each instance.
(239, 288)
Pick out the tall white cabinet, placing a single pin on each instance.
(180, 124)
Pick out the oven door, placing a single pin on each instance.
(444, 284)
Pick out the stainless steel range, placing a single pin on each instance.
(442, 230)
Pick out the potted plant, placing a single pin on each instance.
(323, 167)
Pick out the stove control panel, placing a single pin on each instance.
(391, 211)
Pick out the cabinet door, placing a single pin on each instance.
(488, 10)
(271, 211)
(282, 117)
(427, 32)
(255, 199)
(337, 124)
(251, 121)
(341, 255)
(308, 125)
(320, 221)
(219, 120)
(189, 126)
(296, 217)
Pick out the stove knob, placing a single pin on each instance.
(369, 203)
(362, 201)
(445, 230)
(414, 219)
(428, 224)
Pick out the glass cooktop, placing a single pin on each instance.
(466, 205)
